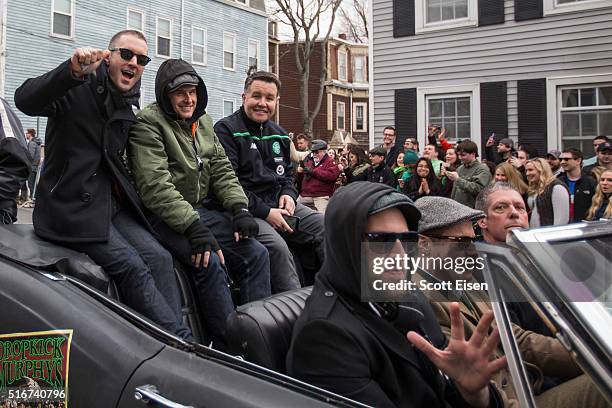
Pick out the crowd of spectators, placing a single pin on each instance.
(557, 187)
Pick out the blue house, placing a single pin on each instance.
(221, 38)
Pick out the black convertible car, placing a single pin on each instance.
(65, 336)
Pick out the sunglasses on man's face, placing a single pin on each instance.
(127, 54)
(384, 242)
(391, 237)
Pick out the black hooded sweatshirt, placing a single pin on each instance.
(341, 345)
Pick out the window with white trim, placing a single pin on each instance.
(551, 7)
(198, 45)
(228, 107)
(585, 112)
(342, 65)
(340, 115)
(164, 37)
(433, 15)
(451, 112)
(253, 53)
(245, 2)
(135, 20)
(229, 51)
(358, 68)
(359, 116)
(62, 18)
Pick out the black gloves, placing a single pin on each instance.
(201, 238)
(243, 222)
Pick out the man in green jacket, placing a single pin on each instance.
(471, 177)
(184, 177)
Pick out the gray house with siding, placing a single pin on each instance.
(538, 71)
(221, 38)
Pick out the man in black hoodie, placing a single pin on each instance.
(85, 199)
(15, 164)
(259, 151)
(359, 349)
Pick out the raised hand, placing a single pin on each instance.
(86, 60)
(466, 361)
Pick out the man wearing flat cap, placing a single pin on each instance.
(379, 172)
(317, 175)
(185, 178)
(446, 231)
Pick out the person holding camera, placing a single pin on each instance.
(317, 175)
(502, 152)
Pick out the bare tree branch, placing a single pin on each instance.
(307, 19)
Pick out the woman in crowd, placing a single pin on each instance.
(548, 198)
(332, 154)
(410, 159)
(518, 160)
(424, 182)
(601, 207)
(508, 173)
(358, 164)
(451, 163)
(398, 167)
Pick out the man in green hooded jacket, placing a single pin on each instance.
(184, 176)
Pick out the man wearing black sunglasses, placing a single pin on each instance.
(85, 199)
(366, 350)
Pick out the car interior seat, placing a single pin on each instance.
(260, 331)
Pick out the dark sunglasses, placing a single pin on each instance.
(391, 237)
(383, 242)
(456, 239)
(565, 158)
(127, 55)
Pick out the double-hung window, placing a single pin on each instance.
(451, 113)
(135, 20)
(342, 65)
(253, 53)
(359, 68)
(585, 112)
(164, 37)
(229, 51)
(432, 15)
(198, 45)
(62, 24)
(340, 115)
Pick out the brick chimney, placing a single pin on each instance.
(342, 36)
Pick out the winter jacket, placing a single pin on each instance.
(357, 173)
(472, 179)
(85, 143)
(260, 156)
(381, 174)
(318, 180)
(177, 164)
(15, 163)
(34, 150)
(583, 195)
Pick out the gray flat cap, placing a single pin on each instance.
(442, 212)
(317, 145)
